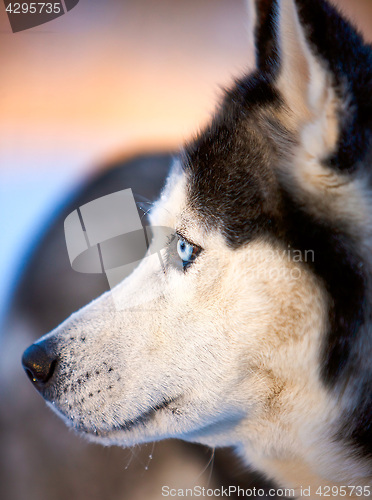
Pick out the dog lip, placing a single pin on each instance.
(143, 418)
(127, 425)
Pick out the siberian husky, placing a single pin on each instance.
(259, 334)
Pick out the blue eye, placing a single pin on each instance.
(186, 251)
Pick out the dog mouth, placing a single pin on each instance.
(128, 425)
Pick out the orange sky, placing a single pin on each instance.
(112, 75)
(115, 75)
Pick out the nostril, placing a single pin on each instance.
(38, 364)
(30, 375)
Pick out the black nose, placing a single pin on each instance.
(39, 363)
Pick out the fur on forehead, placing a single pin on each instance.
(229, 167)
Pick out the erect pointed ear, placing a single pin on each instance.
(284, 53)
(303, 79)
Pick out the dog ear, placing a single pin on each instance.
(322, 69)
(302, 78)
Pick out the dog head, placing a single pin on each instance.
(250, 329)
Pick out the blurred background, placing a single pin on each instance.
(106, 85)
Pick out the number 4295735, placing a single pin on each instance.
(34, 8)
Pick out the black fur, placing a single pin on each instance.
(231, 168)
(267, 56)
(230, 164)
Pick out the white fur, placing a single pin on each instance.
(235, 341)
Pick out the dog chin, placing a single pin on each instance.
(150, 425)
(161, 421)
(141, 434)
